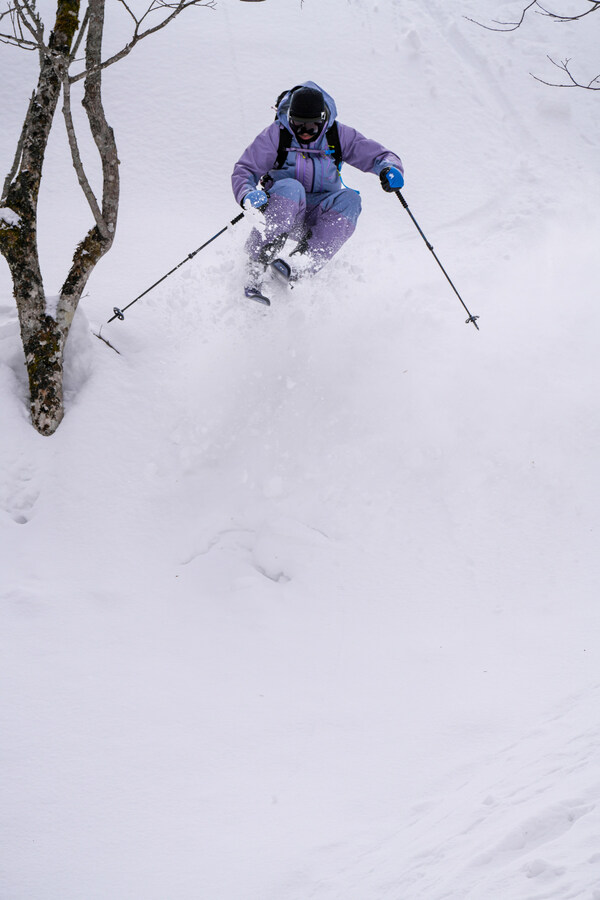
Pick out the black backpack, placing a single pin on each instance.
(285, 138)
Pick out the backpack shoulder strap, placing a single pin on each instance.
(285, 141)
(285, 138)
(333, 140)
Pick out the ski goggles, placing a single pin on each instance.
(307, 126)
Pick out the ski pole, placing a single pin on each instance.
(118, 313)
(471, 318)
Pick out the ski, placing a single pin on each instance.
(253, 293)
(281, 274)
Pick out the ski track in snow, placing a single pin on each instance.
(507, 840)
(302, 602)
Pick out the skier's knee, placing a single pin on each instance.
(289, 189)
(349, 205)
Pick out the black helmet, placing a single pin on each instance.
(307, 113)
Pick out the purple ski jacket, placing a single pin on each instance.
(310, 164)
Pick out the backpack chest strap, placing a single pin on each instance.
(285, 145)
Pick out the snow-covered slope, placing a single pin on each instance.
(302, 603)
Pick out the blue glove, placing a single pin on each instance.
(391, 179)
(255, 200)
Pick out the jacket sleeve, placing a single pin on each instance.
(255, 161)
(365, 154)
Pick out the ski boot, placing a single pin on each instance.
(282, 271)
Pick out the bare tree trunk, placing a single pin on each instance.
(43, 340)
(44, 336)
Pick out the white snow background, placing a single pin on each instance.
(303, 602)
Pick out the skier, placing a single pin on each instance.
(291, 173)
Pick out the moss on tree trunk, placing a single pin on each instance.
(44, 359)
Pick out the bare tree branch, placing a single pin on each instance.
(537, 7)
(17, 40)
(138, 36)
(80, 35)
(77, 163)
(593, 85)
(505, 26)
(23, 18)
(29, 20)
(99, 239)
(559, 17)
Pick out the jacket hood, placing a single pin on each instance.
(284, 106)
